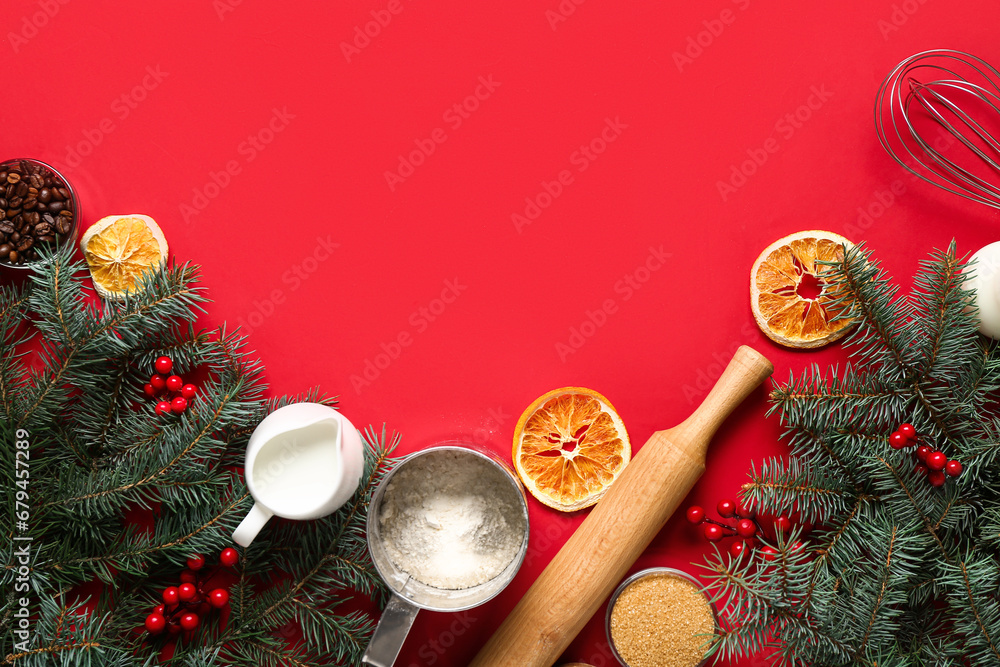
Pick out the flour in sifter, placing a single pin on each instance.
(451, 520)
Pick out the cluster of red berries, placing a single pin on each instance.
(178, 393)
(930, 462)
(184, 605)
(744, 526)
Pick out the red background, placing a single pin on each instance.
(80, 94)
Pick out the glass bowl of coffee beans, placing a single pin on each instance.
(39, 211)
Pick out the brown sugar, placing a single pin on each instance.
(661, 620)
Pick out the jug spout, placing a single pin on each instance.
(352, 460)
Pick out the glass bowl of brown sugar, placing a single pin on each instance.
(660, 617)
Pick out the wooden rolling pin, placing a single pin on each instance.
(618, 529)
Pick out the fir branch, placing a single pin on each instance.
(794, 487)
(906, 486)
(13, 334)
(865, 294)
(978, 580)
(108, 456)
(199, 436)
(879, 623)
(80, 645)
(62, 299)
(947, 336)
(168, 297)
(133, 553)
(902, 572)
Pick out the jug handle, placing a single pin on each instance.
(251, 524)
(395, 624)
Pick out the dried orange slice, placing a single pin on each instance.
(119, 249)
(569, 446)
(790, 301)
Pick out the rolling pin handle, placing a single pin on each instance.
(744, 373)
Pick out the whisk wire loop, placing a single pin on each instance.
(945, 77)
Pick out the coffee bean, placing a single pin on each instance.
(35, 207)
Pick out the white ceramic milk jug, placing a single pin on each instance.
(303, 461)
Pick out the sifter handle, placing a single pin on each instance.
(395, 624)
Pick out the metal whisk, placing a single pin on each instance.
(940, 110)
